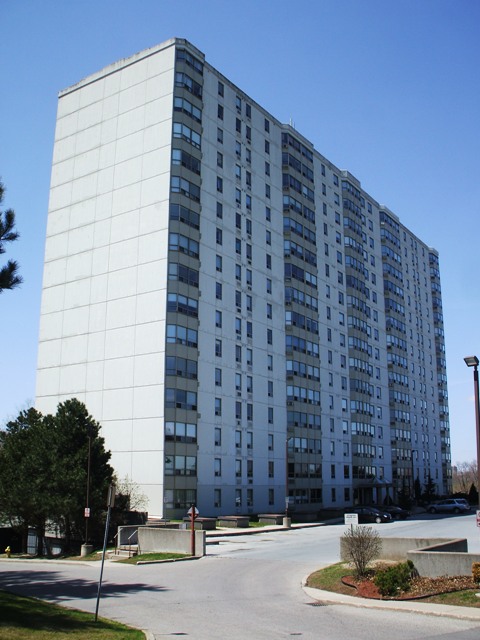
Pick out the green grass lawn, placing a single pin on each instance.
(30, 619)
(151, 557)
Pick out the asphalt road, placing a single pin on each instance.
(247, 587)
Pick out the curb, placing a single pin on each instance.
(410, 606)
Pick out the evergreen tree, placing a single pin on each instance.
(9, 277)
(43, 473)
(25, 463)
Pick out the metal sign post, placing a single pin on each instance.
(110, 504)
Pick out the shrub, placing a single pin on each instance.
(476, 571)
(395, 579)
(361, 545)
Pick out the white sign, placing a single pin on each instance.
(189, 512)
(351, 518)
(87, 512)
(478, 518)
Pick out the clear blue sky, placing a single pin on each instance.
(389, 90)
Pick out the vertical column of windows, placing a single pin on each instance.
(181, 384)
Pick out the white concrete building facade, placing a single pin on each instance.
(214, 292)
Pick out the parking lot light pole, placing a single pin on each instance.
(472, 361)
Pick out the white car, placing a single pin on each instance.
(450, 505)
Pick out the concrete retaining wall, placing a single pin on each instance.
(152, 539)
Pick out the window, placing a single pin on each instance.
(267, 147)
(219, 236)
(269, 285)
(219, 159)
(267, 125)
(218, 436)
(218, 319)
(238, 468)
(249, 439)
(270, 441)
(218, 290)
(220, 141)
(220, 88)
(217, 466)
(218, 348)
(269, 310)
(238, 353)
(220, 112)
(270, 388)
(219, 210)
(217, 498)
(180, 399)
(218, 406)
(183, 132)
(238, 410)
(219, 184)
(269, 336)
(267, 191)
(268, 214)
(219, 263)
(186, 188)
(218, 377)
(267, 168)
(271, 469)
(270, 415)
(268, 261)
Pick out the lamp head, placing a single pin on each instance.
(471, 361)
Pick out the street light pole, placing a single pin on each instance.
(472, 361)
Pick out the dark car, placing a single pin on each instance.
(397, 513)
(450, 505)
(369, 514)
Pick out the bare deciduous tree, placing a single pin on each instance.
(361, 545)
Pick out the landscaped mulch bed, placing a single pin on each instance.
(421, 587)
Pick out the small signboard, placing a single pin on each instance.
(189, 512)
(87, 512)
(478, 518)
(351, 518)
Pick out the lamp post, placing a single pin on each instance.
(286, 520)
(87, 548)
(472, 361)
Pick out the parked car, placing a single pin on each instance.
(397, 513)
(369, 514)
(450, 505)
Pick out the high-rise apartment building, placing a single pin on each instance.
(243, 319)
